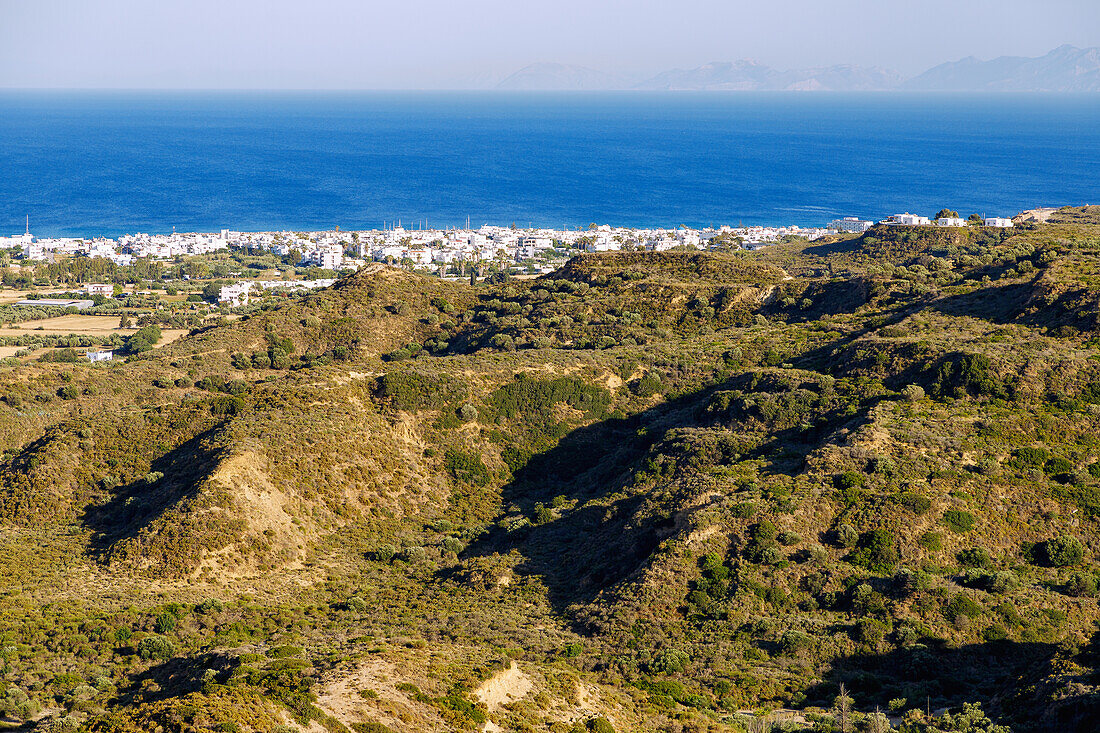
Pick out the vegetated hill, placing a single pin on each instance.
(646, 492)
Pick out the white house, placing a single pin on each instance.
(235, 295)
(996, 221)
(906, 219)
(95, 356)
(950, 221)
(99, 288)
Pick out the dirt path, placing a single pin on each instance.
(502, 688)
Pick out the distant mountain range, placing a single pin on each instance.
(750, 76)
(1065, 69)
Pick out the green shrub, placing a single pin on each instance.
(1081, 585)
(1001, 581)
(876, 551)
(1061, 551)
(975, 557)
(466, 466)
(543, 515)
(226, 405)
(165, 622)
(142, 340)
(531, 396)
(870, 630)
(761, 546)
(410, 390)
(793, 642)
(1057, 465)
(1029, 458)
(932, 541)
(599, 725)
(916, 503)
(846, 536)
(1091, 393)
(61, 356)
(961, 605)
(958, 521)
(788, 538)
(848, 480)
(913, 393)
(959, 375)
(155, 647)
(1084, 496)
(453, 545)
(17, 704)
(670, 661)
(743, 510)
(646, 386)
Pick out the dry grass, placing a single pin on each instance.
(97, 325)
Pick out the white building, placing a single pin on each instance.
(850, 224)
(94, 356)
(79, 304)
(996, 221)
(235, 295)
(906, 219)
(99, 288)
(328, 257)
(950, 221)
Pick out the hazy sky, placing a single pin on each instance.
(463, 43)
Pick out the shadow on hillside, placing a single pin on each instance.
(998, 304)
(1017, 303)
(589, 547)
(1000, 674)
(594, 546)
(132, 506)
(176, 677)
(831, 297)
(844, 246)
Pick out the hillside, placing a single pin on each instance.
(645, 492)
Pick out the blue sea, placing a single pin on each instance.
(109, 163)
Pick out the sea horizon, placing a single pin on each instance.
(112, 162)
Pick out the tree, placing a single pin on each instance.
(947, 214)
(1061, 551)
(975, 220)
(843, 706)
(17, 704)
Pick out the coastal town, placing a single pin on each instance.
(450, 250)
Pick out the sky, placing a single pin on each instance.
(438, 44)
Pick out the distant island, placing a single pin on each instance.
(1065, 69)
